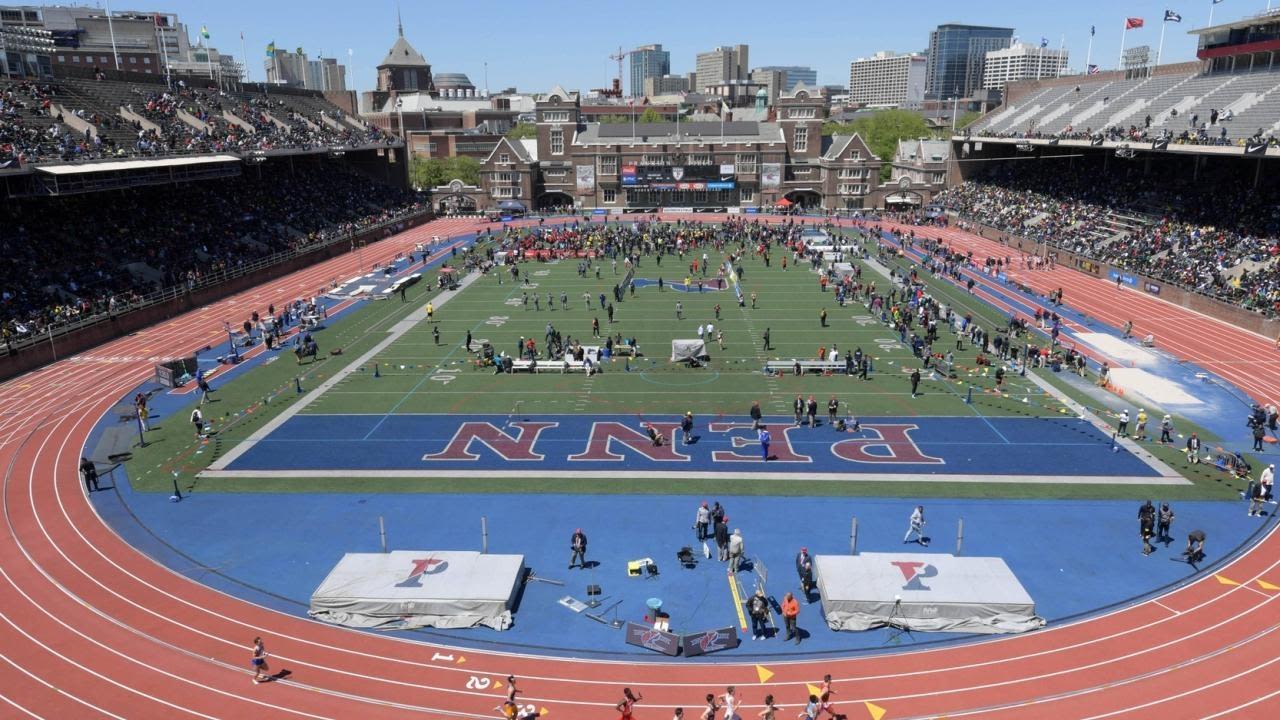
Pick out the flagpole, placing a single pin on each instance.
(633, 120)
(244, 61)
(111, 29)
(1212, 5)
(1120, 63)
(1088, 56)
(1160, 47)
(1062, 46)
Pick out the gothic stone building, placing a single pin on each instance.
(735, 164)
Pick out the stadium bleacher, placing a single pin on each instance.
(78, 119)
(1217, 234)
(1179, 103)
(67, 258)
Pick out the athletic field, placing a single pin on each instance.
(402, 410)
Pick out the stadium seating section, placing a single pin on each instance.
(1217, 235)
(69, 257)
(1187, 107)
(69, 120)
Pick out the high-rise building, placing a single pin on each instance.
(957, 54)
(774, 80)
(648, 61)
(795, 75)
(1020, 62)
(887, 79)
(287, 68)
(720, 66)
(665, 85)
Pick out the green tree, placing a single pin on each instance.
(522, 131)
(427, 173)
(650, 116)
(881, 131)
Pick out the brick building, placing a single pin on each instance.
(734, 164)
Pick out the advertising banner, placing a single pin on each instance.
(650, 639)
(586, 179)
(710, 641)
(770, 176)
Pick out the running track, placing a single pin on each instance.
(90, 627)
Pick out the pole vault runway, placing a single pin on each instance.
(91, 628)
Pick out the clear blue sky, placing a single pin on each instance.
(514, 36)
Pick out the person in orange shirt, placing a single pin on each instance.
(790, 612)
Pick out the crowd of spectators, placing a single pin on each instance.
(275, 125)
(1214, 130)
(29, 133)
(33, 131)
(72, 257)
(1197, 236)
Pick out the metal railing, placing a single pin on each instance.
(54, 331)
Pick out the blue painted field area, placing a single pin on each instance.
(939, 445)
(1072, 557)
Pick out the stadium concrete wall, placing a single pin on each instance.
(1217, 309)
(76, 341)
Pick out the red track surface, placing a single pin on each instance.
(90, 627)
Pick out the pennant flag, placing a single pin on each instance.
(1171, 16)
(204, 32)
(1131, 23)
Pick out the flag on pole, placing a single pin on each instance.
(1093, 30)
(1093, 69)
(204, 32)
(1131, 23)
(271, 49)
(1044, 42)
(1215, 2)
(1171, 16)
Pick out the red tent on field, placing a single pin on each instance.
(785, 203)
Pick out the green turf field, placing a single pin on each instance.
(417, 375)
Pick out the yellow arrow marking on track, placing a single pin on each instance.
(763, 673)
(875, 710)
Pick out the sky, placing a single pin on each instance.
(535, 44)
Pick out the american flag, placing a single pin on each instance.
(1093, 69)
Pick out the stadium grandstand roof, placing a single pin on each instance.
(1265, 18)
(117, 166)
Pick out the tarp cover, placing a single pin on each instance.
(939, 593)
(687, 350)
(409, 589)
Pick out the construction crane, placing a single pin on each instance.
(619, 57)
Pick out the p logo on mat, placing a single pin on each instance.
(913, 572)
(426, 566)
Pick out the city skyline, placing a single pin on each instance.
(852, 31)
